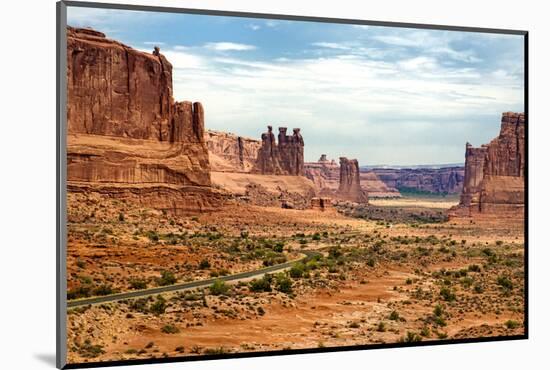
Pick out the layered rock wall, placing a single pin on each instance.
(126, 136)
(446, 180)
(495, 173)
(231, 153)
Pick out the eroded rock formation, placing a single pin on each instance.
(321, 203)
(126, 135)
(284, 158)
(325, 174)
(231, 153)
(350, 183)
(495, 173)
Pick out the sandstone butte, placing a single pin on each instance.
(494, 178)
(350, 182)
(126, 136)
(283, 158)
(325, 174)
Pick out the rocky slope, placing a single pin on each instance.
(495, 173)
(126, 135)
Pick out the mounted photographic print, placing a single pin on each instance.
(235, 184)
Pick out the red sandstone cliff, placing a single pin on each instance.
(283, 158)
(231, 153)
(494, 180)
(126, 135)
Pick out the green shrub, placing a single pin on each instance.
(204, 264)
(170, 329)
(103, 290)
(278, 247)
(505, 282)
(138, 284)
(334, 252)
(82, 291)
(159, 306)
(511, 324)
(283, 283)
(261, 285)
(166, 278)
(152, 235)
(219, 287)
(297, 270)
(89, 350)
(412, 337)
(394, 315)
(474, 268)
(447, 294)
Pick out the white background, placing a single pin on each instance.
(27, 207)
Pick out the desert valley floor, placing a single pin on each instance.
(370, 282)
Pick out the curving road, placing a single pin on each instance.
(190, 285)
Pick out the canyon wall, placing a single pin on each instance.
(231, 153)
(283, 158)
(447, 180)
(126, 137)
(495, 173)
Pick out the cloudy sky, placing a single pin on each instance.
(379, 94)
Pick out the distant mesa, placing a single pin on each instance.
(444, 180)
(494, 180)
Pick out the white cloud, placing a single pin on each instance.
(254, 27)
(331, 45)
(344, 101)
(228, 46)
(154, 43)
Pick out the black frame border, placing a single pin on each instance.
(61, 192)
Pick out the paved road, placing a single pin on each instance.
(185, 286)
